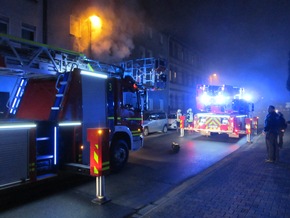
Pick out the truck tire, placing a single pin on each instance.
(119, 155)
(146, 131)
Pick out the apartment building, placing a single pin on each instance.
(124, 35)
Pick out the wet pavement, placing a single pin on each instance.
(240, 185)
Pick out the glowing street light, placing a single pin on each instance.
(213, 79)
(96, 22)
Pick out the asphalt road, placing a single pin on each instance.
(150, 173)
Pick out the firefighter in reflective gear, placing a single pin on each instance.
(178, 115)
(189, 117)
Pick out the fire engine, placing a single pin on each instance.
(223, 109)
(58, 94)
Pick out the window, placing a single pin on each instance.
(180, 53)
(4, 24)
(141, 52)
(75, 26)
(161, 39)
(28, 32)
(161, 115)
(149, 54)
(150, 32)
(171, 52)
(130, 99)
(142, 28)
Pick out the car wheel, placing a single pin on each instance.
(119, 155)
(165, 129)
(145, 131)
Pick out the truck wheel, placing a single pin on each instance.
(119, 155)
(165, 129)
(145, 131)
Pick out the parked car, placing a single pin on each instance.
(154, 121)
(172, 121)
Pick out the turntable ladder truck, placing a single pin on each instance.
(59, 94)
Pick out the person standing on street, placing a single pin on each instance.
(271, 128)
(178, 115)
(189, 118)
(282, 128)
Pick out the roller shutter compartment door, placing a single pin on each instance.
(14, 156)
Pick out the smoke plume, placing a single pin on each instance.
(114, 40)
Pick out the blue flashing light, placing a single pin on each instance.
(205, 99)
(55, 146)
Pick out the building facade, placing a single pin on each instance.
(123, 35)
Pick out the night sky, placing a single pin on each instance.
(245, 41)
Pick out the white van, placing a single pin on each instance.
(154, 121)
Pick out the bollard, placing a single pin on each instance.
(182, 120)
(99, 161)
(248, 129)
(255, 125)
(100, 191)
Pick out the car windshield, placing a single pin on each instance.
(172, 116)
(146, 116)
(151, 116)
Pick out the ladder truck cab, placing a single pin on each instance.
(57, 95)
(223, 109)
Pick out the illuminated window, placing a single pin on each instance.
(75, 26)
(170, 75)
(28, 32)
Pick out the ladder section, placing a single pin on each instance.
(147, 72)
(13, 102)
(24, 58)
(46, 150)
(61, 87)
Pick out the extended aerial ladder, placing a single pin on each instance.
(26, 59)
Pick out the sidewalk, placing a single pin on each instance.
(240, 185)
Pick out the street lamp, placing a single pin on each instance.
(213, 79)
(95, 23)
